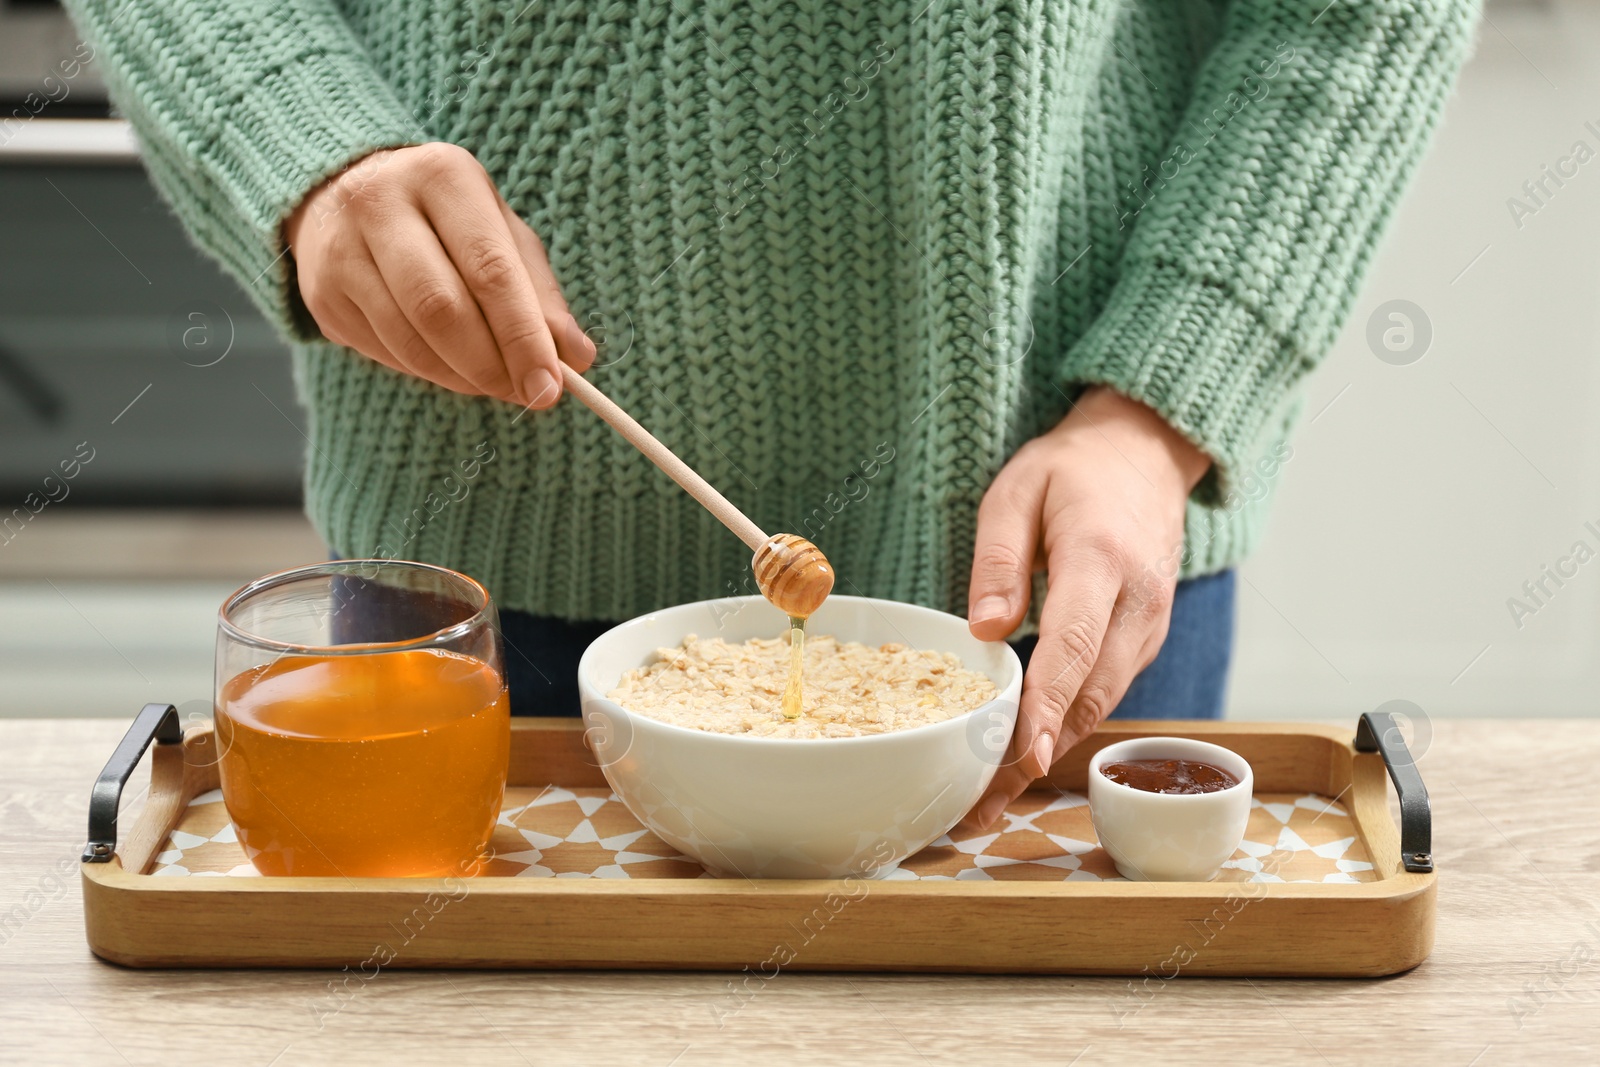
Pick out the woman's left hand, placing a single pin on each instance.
(1098, 503)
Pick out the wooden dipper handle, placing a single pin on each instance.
(791, 571)
(663, 457)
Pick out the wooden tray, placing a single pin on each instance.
(1320, 886)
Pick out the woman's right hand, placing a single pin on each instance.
(413, 258)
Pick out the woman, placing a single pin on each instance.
(961, 291)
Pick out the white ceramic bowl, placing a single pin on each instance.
(1165, 837)
(763, 807)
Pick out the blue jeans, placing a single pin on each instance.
(1186, 680)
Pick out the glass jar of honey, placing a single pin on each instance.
(362, 719)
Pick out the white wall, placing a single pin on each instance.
(1427, 494)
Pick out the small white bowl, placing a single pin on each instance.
(766, 807)
(1167, 837)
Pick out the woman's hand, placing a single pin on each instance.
(1098, 502)
(412, 258)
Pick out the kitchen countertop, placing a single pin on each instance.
(1514, 976)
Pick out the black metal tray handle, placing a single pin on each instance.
(156, 722)
(1378, 732)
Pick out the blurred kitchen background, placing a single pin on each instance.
(1448, 452)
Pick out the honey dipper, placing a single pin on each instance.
(790, 571)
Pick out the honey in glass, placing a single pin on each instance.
(370, 736)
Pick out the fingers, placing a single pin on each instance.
(1003, 554)
(1103, 688)
(1122, 655)
(436, 306)
(467, 218)
(577, 350)
(384, 333)
(1084, 587)
(417, 262)
(343, 323)
(1071, 491)
(1125, 652)
(1009, 783)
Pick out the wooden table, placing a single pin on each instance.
(1515, 976)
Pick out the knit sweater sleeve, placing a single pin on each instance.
(1251, 234)
(241, 108)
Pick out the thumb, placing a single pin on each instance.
(1002, 557)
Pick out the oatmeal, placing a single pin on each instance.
(851, 689)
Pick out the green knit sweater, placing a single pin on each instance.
(844, 256)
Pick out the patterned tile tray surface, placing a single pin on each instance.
(587, 833)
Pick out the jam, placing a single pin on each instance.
(1169, 775)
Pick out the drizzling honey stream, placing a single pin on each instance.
(797, 653)
(791, 571)
(796, 577)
